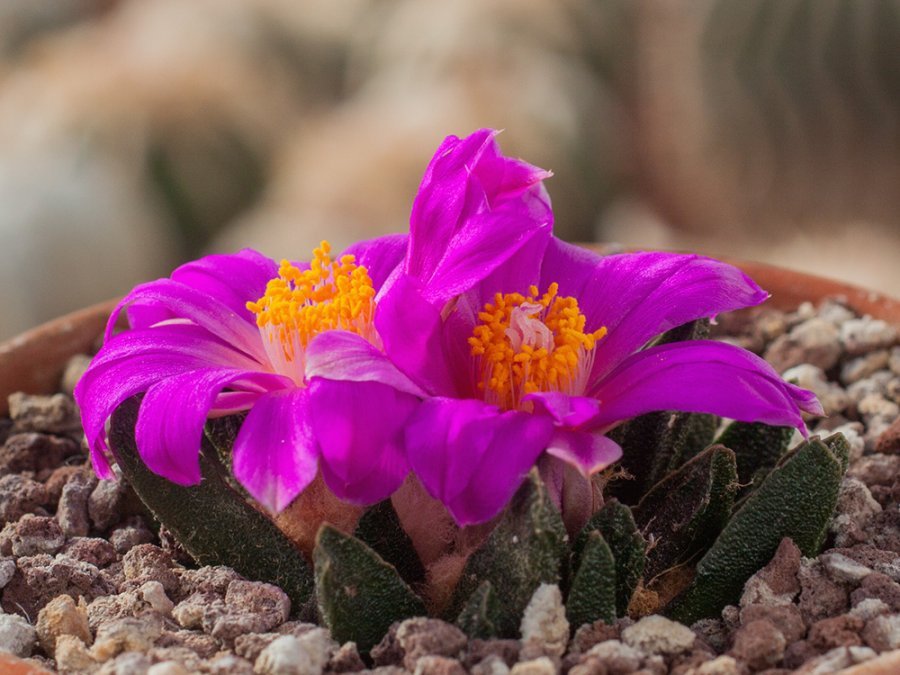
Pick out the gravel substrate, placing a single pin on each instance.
(89, 587)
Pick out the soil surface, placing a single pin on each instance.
(87, 584)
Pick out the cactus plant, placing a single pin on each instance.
(399, 363)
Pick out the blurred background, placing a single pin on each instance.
(137, 134)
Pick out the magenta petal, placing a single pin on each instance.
(475, 208)
(196, 306)
(638, 296)
(471, 456)
(569, 411)
(172, 415)
(487, 242)
(359, 428)
(133, 361)
(411, 331)
(441, 200)
(342, 355)
(701, 376)
(275, 454)
(234, 280)
(589, 452)
(380, 256)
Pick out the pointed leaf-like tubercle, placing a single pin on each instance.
(839, 445)
(212, 521)
(220, 433)
(796, 500)
(692, 330)
(616, 523)
(380, 529)
(592, 594)
(685, 511)
(358, 594)
(699, 434)
(525, 550)
(479, 613)
(757, 447)
(643, 440)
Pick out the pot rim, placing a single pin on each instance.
(34, 361)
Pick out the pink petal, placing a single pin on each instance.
(172, 415)
(194, 305)
(701, 376)
(471, 456)
(638, 296)
(275, 455)
(359, 427)
(411, 331)
(341, 355)
(586, 451)
(380, 256)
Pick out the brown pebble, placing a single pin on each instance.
(55, 414)
(105, 503)
(798, 653)
(883, 632)
(781, 572)
(34, 452)
(40, 578)
(786, 618)
(346, 659)
(72, 512)
(821, 597)
(130, 534)
(91, 550)
(889, 441)
(146, 562)
(589, 635)
(876, 469)
(420, 636)
(759, 643)
(836, 631)
(19, 495)
(57, 480)
(880, 586)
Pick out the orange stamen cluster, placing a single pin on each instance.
(531, 344)
(300, 304)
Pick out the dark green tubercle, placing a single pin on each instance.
(358, 594)
(615, 523)
(757, 448)
(211, 520)
(592, 594)
(659, 442)
(699, 434)
(380, 529)
(796, 500)
(525, 550)
(685, 511)
(476, 619)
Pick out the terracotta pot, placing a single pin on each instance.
(34, 361)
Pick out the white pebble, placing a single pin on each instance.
(17, 636)
(544, 628)
(658, 635)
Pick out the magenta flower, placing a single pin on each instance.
(231, 333)
(543, 353)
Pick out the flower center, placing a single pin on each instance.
(300, 304)
(529, 344)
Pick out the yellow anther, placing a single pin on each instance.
(300, 304)
(532, 344)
